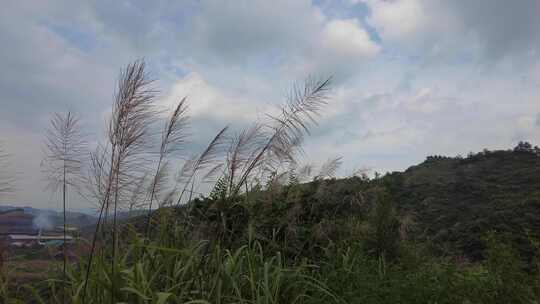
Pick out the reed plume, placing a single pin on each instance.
(243, 148)
(206, 160)
(285, 131)
(64, 155)
(172, 138)
(329, 168)
(128, 145)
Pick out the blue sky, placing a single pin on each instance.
(412, 77)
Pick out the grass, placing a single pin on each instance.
(175, 269)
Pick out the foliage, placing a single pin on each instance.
(456, 202)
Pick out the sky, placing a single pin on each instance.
(411, 78)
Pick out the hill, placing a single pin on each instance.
(455, 201)
(49, 219)
(449, 203)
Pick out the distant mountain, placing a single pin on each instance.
(50, 219)
(121, 214)
(16, 221)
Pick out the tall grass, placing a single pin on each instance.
(198, 273)
(64, 155)
(123, 161)
(172, 138)
(176, 269)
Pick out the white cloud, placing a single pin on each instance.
(346, 38)
(294, 36)
(422, 102)
(208, 102)
(398, 20)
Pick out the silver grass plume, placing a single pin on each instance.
(173, 136)
(129, 141)
(65, 149)
(286, 131)
(329, 168)
(204, 161)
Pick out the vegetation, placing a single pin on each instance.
(455, 202)
(64, 152)
(450, 230)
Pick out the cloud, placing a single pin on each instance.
(398, 20)
(42, 73)
(503, 28)
(411, 77)
(344, 43)
(490, 29)
(295, 36)
(211, 103)
(243, 30)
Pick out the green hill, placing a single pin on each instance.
(449, 203)
(456, 201)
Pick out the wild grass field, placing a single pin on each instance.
(273, 230)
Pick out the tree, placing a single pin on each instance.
(523, 146)
(64, 150)
(384, 225)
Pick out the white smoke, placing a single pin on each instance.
(43, 222)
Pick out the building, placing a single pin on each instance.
(25, 240)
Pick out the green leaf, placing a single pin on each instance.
(162, 297)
